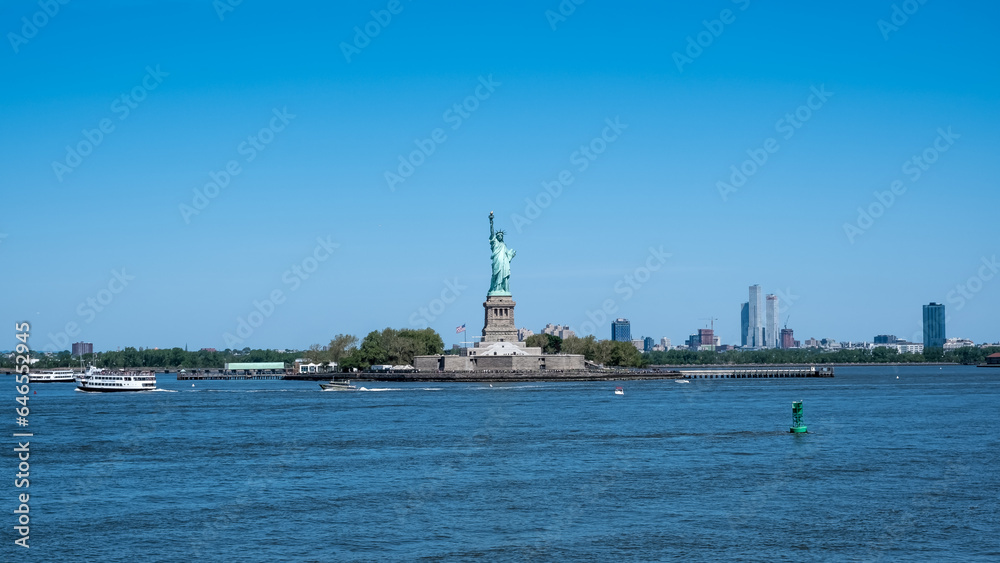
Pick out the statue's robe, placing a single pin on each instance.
(501, 265)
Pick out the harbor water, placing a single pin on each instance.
(898, 464)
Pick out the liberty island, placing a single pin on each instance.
(500, 350)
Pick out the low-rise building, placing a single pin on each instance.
(956, 343)
(562, 331)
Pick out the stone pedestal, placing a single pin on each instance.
(499, 325)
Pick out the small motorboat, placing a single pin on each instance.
(619, 391)
(334, 385)
(681, 381)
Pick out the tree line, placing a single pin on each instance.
(130, 357)
(386, 347)
(399, 346)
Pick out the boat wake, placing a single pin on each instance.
(400, 389)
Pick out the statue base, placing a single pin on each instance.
(499, 326)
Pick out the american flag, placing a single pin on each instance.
(460, 329)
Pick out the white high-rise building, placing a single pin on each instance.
(665, 342)
(756, 336)
(771, 330)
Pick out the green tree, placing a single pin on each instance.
(934, 354)
(373, 349)
(612, 353)
(426, 342)
(587, 346)
(549, 343)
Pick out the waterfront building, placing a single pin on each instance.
(665, 342)
(621, 331)
(934, 326)
(647, 344)
(81, 348)
(756, 312)
(812, 343)
(886, 339)
(956, 343)
(562, 331)
(771, 330)
(787, 338)
(639, 344)
(744, 324)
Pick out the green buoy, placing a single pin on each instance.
(797, 425)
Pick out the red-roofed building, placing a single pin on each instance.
(993, 359)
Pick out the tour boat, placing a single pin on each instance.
(52, 376)
(619, 391)
(101, 381)
(333, 385)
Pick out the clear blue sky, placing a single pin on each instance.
(217, 81)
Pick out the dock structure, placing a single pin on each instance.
(228, 375)
(757, 373)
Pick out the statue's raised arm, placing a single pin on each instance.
(491, 225)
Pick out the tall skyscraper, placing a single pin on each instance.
(787, 338)
(744, 324)
(81, 348)
(771, 330)
(756, 312)
(934, 330)
(621, 331)
(706, 337)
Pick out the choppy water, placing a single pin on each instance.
(892, 469)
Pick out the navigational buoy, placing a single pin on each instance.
(797, 425)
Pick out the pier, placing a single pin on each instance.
(228, 375)
(757, 373)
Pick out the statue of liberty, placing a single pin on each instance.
(500, 284)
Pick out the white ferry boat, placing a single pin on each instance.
(101, 381)
(52, 376)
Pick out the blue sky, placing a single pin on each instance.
(199, 88)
